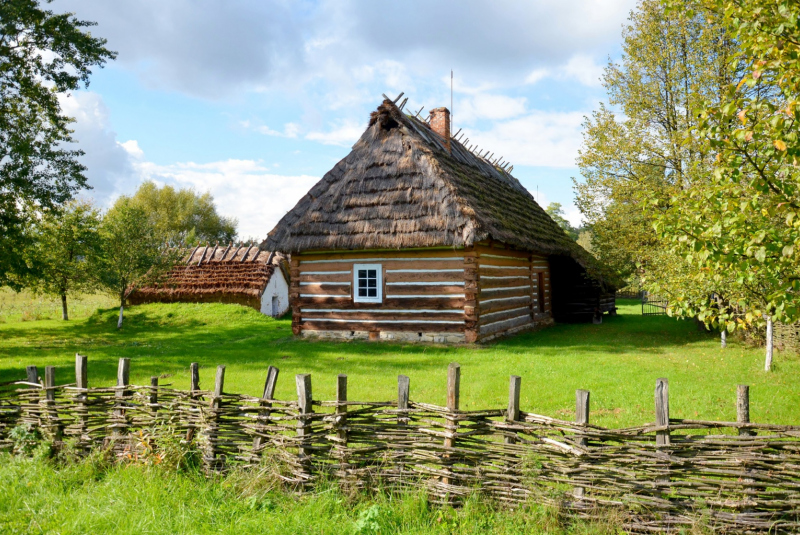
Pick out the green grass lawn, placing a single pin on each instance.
(617, 361)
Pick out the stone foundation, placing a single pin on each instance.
(395, 336)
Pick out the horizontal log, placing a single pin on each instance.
(496, 327)
(502, 271)
(321, 276)
(500, 293)
(504, 281)
(408, 316)
(423, 289)
(502, 315)
(491, 305)
(325, 289)
(403, 303)
(456, 274)
(503, 262)
(383, 326)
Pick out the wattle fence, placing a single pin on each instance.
(665, 476)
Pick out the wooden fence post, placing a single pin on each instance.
(32, 374)
(212, 429)
(662, 411)
(50, 383)
(50, 400)
(194, 386)
(194, 370)
(743, 409)
(153, 398)
(303, 383)
(263, 416)
(512, 415)
(403, 386)
(581, 418)
(123, 379)
(340, 423)
(451, 423)
(81, 409)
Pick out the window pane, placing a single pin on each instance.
(362, 292)
(372, 273)
(373, 292)
(362, 273)
(372, 283)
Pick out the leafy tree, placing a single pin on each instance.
(556, 213)
(132, 253)
(43, 56)
(182, 216)
(743, 222)
(64, 244)
(638, 148)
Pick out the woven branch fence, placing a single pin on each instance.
(666, 476)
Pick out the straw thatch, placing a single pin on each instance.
(401, 188)
(219, 274)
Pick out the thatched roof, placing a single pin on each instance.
(220, 273)
(401, 188)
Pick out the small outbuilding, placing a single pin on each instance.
(414, 236)
(243, 275)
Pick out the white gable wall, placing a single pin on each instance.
(278, 288)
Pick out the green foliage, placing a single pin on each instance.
(636, 148)
(42, 56)
(182, 217)
(132, 254)
(163, 339)
(739, 227)
(556, 213)
(64, 243)
(25, 439)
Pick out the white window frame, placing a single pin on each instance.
(379, 283)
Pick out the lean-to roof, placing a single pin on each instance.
(401, 188)
(220, 273)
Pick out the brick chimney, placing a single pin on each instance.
(440, 123)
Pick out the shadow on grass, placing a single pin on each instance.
(161, 338)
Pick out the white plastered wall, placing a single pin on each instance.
(276, 287)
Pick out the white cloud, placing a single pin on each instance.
(548, 139)
(488, 106)
(343, 135)
(107, 161)
(580, 67)
(245, 189)
(584, 69)
(290, 130)
(537, 75)
(213, 49)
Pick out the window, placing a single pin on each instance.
(367, 283)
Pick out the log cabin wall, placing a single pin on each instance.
(509, 289)
(422, 295)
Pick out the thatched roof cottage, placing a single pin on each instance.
(231, 273)
(412, 236)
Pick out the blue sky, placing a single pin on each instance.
(254, 101)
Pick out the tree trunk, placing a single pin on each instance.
(723, 337)
(64, 315)
(768, 362)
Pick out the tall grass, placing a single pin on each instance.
(38, 496)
